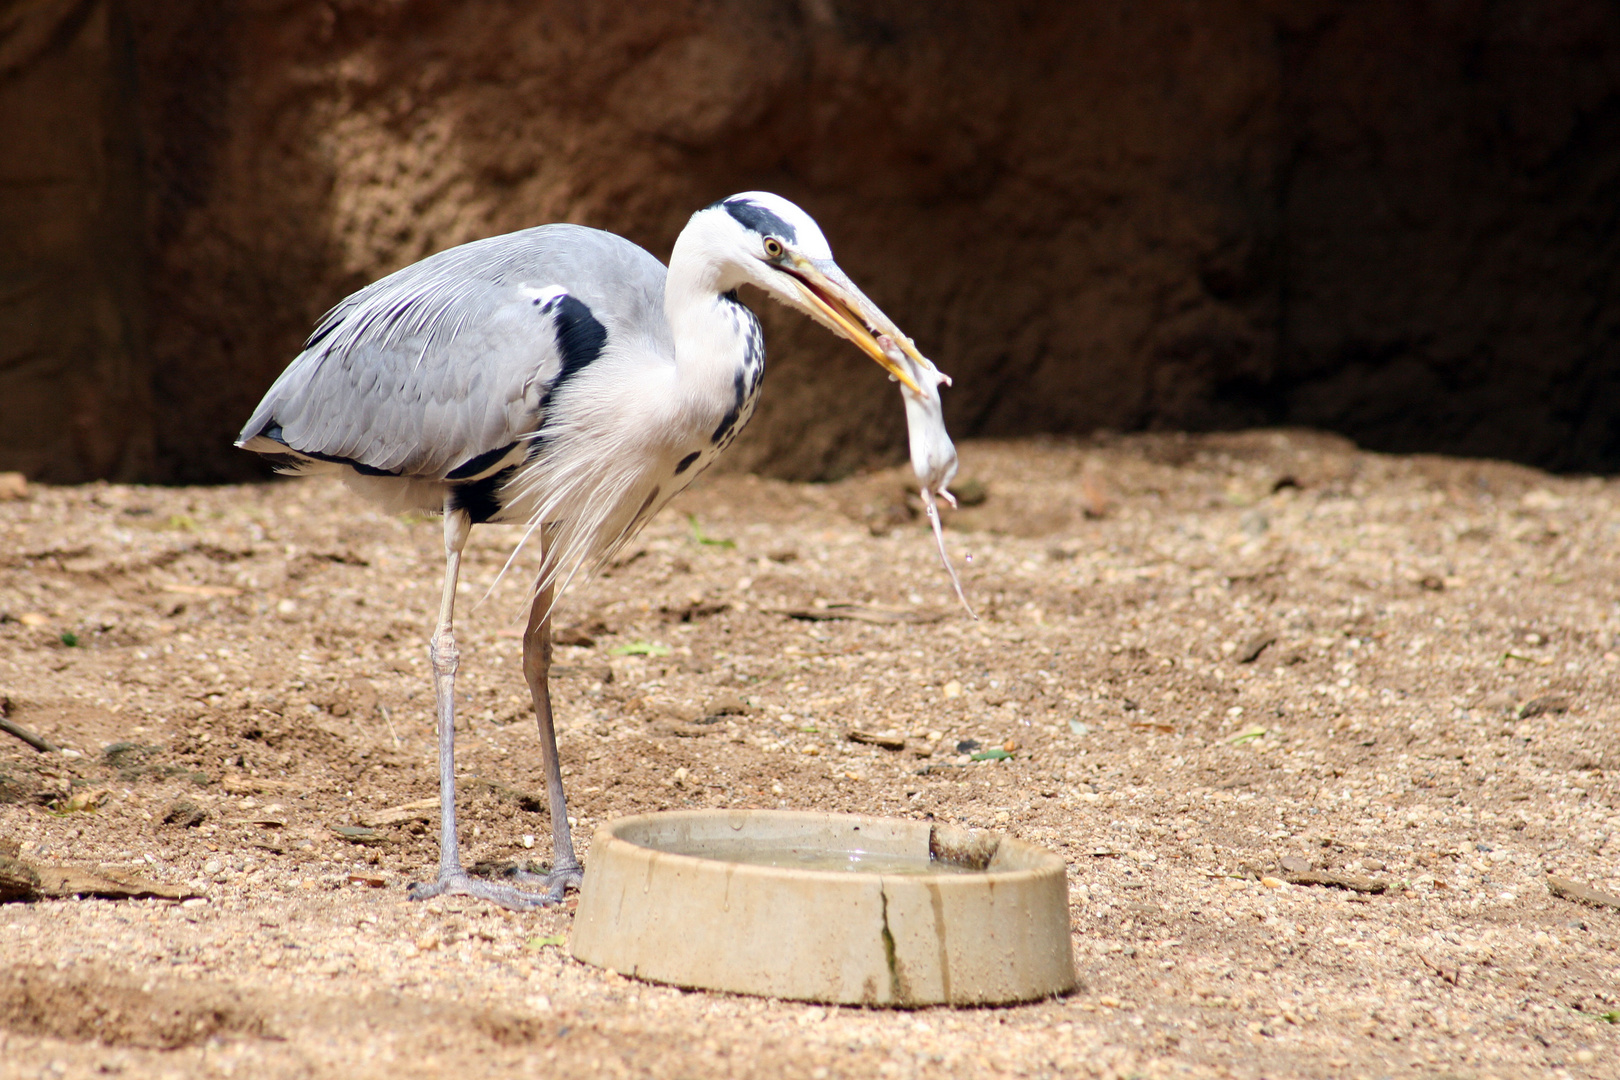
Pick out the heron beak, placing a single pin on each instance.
(828, 292)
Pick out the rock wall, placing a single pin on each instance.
(1449, 214)
(1395, 219)
(75, 401)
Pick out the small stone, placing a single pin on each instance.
(186, 814)
(18, 880)
(952, 689)
(13, 485)
(726, 703)
(572, 635)
(682, 711)
(1272, 883)
(1250, 650)
(1295, 864)
(884, 740)
(1550, 703)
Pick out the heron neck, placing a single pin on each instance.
(700, 319)
(719, 351)
(710, 330)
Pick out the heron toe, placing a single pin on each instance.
(460, 883)
(556, 883)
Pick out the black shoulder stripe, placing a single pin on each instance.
(686, 462)
(475, 465)
(580, 337)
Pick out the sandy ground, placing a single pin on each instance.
(1206, 655)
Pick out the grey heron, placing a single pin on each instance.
(558, 378)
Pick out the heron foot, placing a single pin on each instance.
(555, 883)
(460, 883)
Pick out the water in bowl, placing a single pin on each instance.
(791, 857)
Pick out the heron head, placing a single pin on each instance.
(773, 244)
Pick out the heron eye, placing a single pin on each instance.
(773, 247)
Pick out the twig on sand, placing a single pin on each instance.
(38, 742)
(1574, 890)
(390, 721)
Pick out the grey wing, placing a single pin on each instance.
(442, 370)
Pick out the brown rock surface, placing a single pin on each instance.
(74, 401)
(1392, 219)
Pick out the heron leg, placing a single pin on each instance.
(452, 879)
(565, 867)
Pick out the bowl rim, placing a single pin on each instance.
(1048, 862)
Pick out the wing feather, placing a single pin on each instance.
(453, 357)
